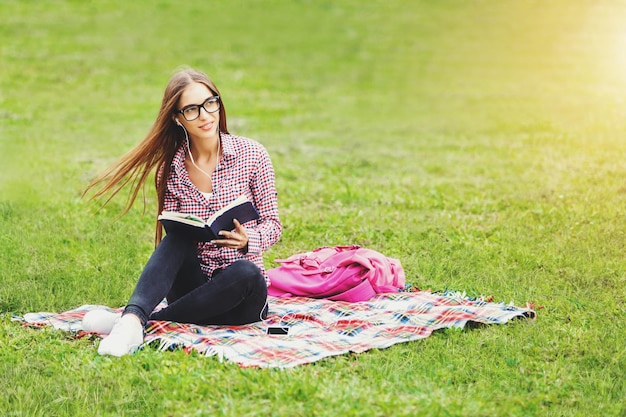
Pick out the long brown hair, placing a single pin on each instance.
(156, 150)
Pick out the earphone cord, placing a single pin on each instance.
(261, 313)
(217, 156)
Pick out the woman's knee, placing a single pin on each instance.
(247, 271)
(176, 243)
(170, 255)
(246, 268)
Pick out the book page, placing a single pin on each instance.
(182, 217)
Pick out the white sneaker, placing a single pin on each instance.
(125, 337)
(100, 321)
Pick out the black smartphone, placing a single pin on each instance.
(278, 330)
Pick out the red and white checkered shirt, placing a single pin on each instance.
(245, 168)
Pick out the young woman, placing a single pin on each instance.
(200, 168)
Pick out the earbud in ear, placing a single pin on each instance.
(178, 123)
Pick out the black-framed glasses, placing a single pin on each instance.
(192, 111)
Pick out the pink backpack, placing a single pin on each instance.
(340, 273)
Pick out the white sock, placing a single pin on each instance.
(125, 337)
(100, 321)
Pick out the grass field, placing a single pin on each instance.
(480, 142)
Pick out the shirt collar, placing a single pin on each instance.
(228, 146)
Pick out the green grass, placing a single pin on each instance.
(480, 142)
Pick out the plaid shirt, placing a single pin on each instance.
(244, 168)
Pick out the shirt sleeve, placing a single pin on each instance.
(268, 228)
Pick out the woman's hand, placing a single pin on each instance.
(237, 239)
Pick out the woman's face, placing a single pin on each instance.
(196, 98)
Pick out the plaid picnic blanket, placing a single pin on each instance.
(318, 328)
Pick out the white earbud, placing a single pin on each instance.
(178, 123)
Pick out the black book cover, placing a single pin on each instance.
(196, 229)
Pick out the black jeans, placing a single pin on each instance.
(235, 295)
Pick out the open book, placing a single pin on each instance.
(199, 230)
